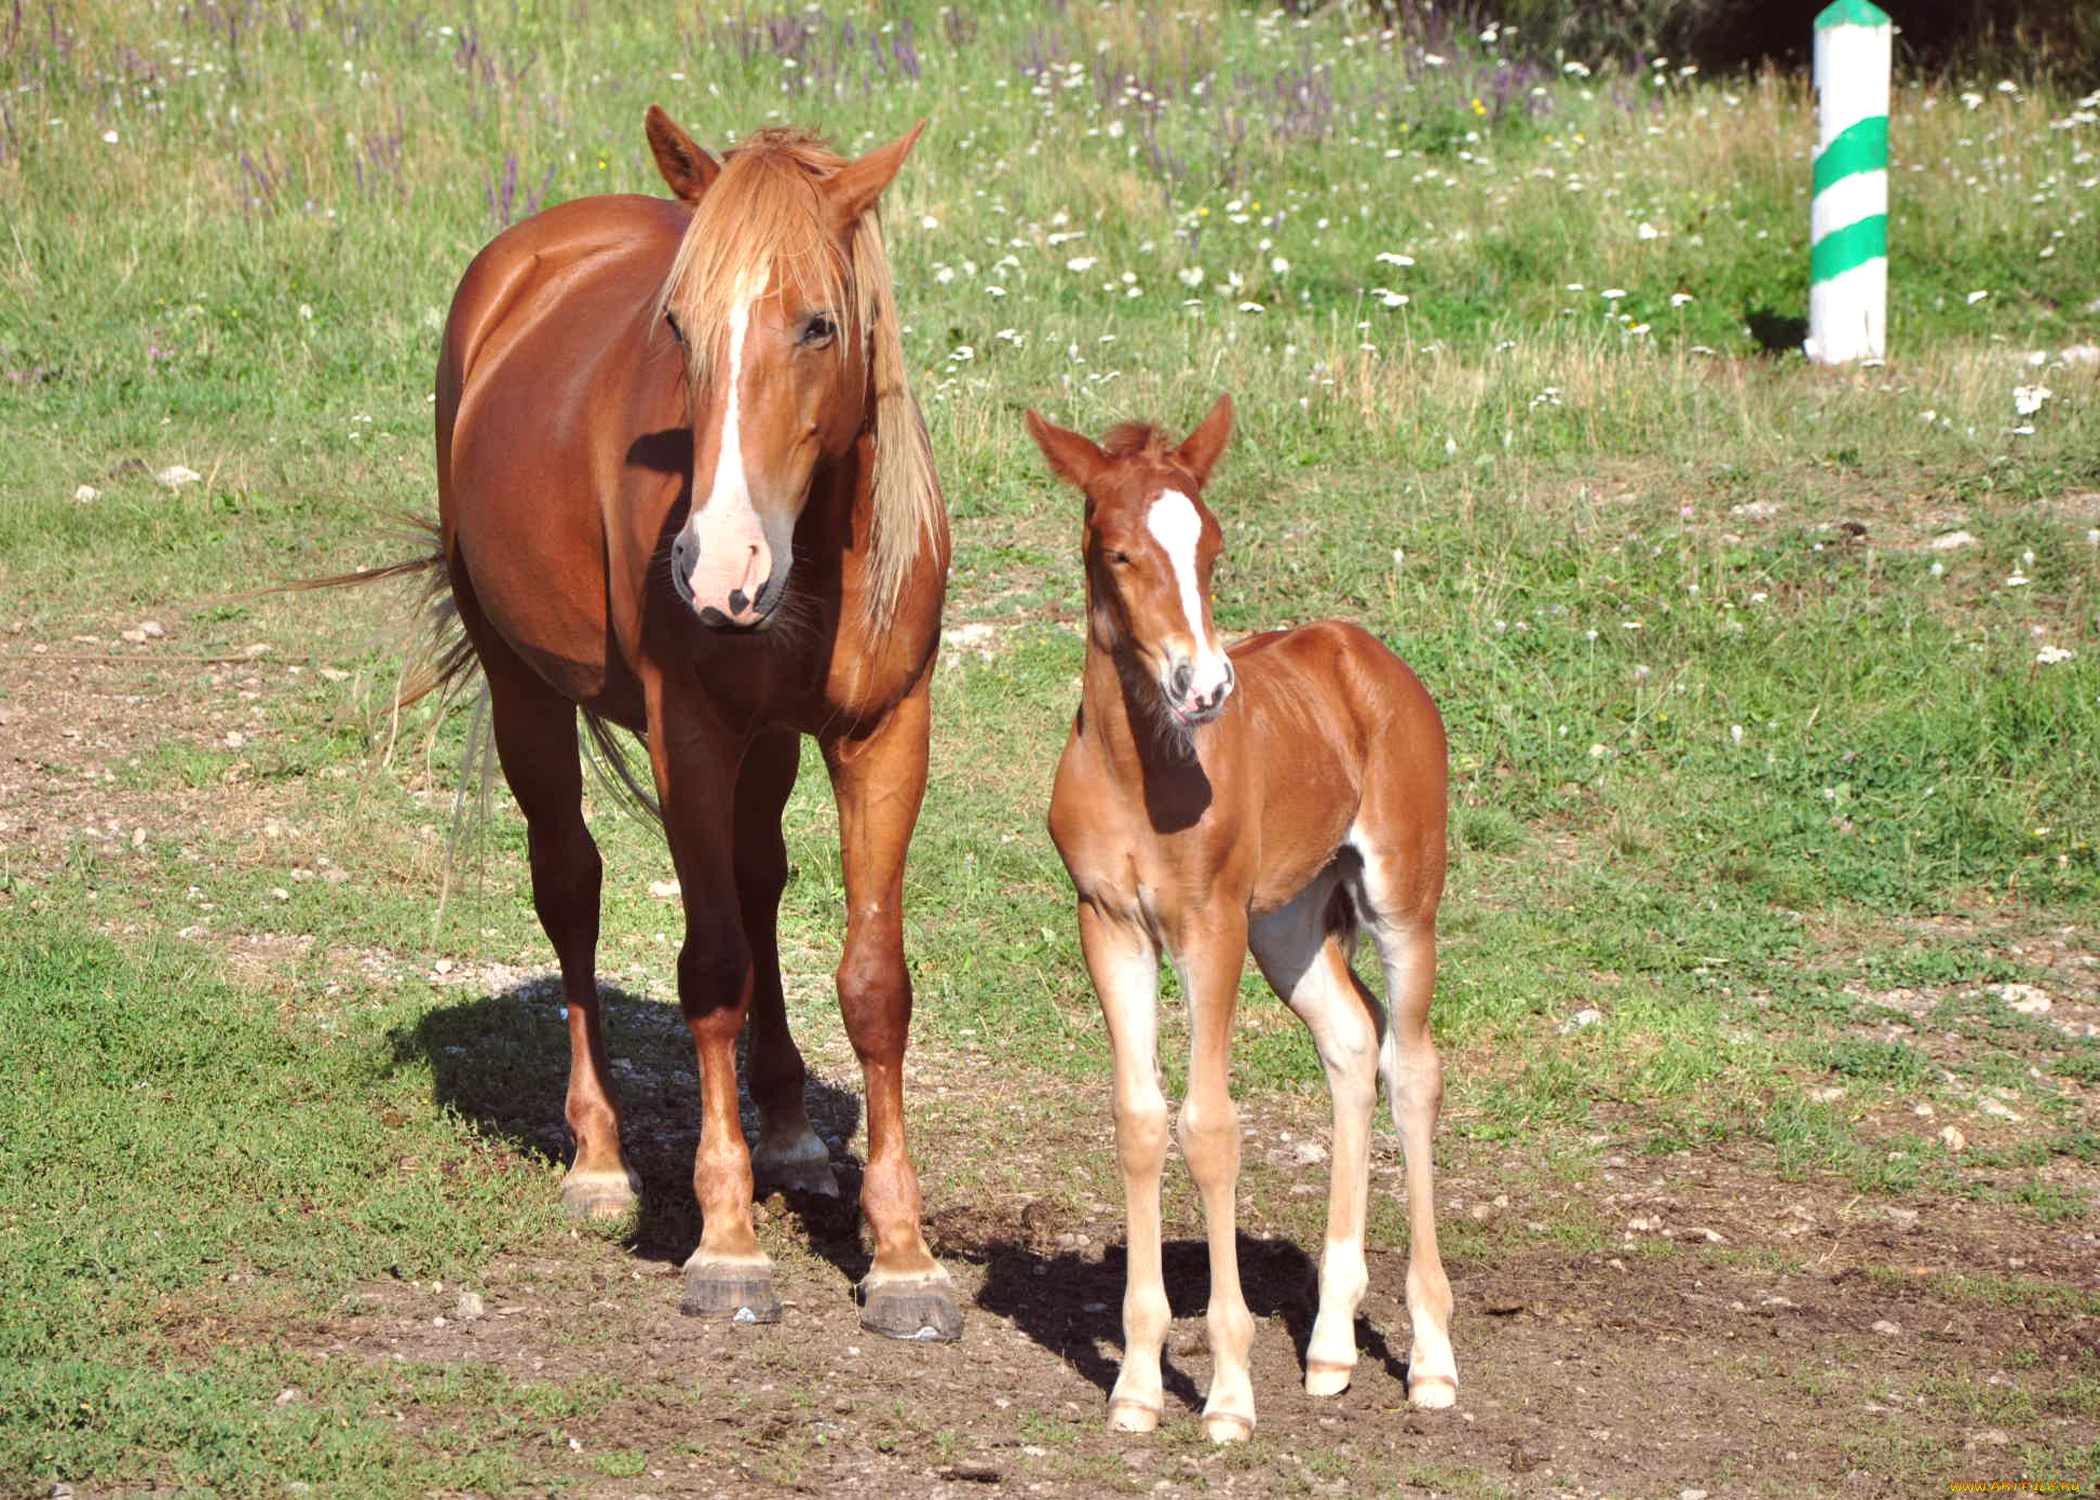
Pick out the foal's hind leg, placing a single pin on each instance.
(536, 741)
(1414, 1077)
(1303, 959)
(788, 1154)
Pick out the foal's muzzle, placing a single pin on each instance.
(1191, 701)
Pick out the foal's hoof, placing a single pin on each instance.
(922, 1309)
(742, 1296)
(1432, 1392)
(1328, 1380)
(1227, 1427)
(1132, 1416)
(601, 1199)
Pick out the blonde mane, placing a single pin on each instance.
(765, 214)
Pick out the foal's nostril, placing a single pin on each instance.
(1178, 680)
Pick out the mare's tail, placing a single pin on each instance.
(442, 659)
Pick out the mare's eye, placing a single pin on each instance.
(1120, 559)
(677, 333)
(818, 331)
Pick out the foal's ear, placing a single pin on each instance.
(688, 167)
(1199, 454)
(1073, 456)
(852, 190)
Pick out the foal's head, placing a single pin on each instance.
(1150, 546)
(780, 296)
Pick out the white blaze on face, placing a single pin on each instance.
(1177, 526)
(732, 555)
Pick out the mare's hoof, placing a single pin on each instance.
(603, 1200)
(1432, 1391)
(1132, 1416)
(1227, 1427)
(792, 1176)
(740, 1296)
(1328, 1380)
(922, 1309)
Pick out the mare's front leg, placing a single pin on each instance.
(696, 759)
(879, 780)
(1125, 968)
(1210, 952)
(788, 1154)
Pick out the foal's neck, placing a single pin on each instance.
(1121, 709)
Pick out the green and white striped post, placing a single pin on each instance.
(1848, 258)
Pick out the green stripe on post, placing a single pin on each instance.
(1854, 245)
(1852, 13)
(1860, 147)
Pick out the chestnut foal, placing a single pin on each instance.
(1274, 797)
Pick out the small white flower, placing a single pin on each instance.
(1645, 231)
(1080, 263)
(1678, 299)
(1394, 258)
(1612, 293)
(1190, 276)
(2092, 536)
(1735, 733)
(2028, 399)
(2049, 656)
(1115, 130)
(1976, 297)
(1279, 266)
(943, 274)
(2017, 579)
(177, 475)
(1252, 307)
(1450, 447)
(110, 137)
(929, 222)
(1390, 298)
(1433, 59)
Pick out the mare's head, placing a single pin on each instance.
(1150, 546)
(780, 295)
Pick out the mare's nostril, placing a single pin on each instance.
(739, 601)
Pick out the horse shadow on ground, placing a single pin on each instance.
(1070, 1301)
(501, 1062)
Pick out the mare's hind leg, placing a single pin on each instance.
(536, 742)
(1301, 954)
(788, 1154)
(1403, 925)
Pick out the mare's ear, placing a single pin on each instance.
(1073, 456)
(688, 167)
(852, 190)
(1199, 454)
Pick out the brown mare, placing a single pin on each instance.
(684, 488)
(1274, 797)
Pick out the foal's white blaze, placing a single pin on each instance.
(1177, 527)
(732, 555)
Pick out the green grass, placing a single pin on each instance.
(1725, 767)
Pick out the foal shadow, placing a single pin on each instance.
(1070, 1302)
(502, 1062)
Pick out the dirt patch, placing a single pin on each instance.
(1672, 1325)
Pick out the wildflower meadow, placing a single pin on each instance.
(1770, 989)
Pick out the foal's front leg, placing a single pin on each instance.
(1213, 951)
(1125, 968)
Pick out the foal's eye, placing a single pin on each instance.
(677, 333)
(818, 331)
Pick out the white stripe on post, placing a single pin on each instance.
(1848, 282)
